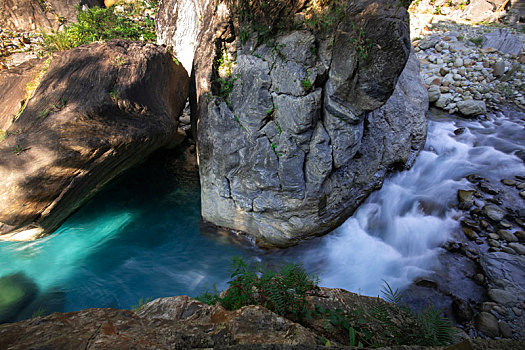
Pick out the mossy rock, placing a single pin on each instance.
(16, 292)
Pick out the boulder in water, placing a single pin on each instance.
(99, 110)
(299, 142)
(16, 292)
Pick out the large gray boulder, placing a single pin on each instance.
(99, 110)
(300, 141)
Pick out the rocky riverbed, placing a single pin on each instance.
(476, 70)
(468, 67)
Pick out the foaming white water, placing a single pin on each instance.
(396, 234)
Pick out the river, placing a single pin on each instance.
(141, 236)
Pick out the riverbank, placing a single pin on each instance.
(476, 70)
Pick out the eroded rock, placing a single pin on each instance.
(100, 109)
(301, 141)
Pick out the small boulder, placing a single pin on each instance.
(16, 292)
(472, 107)
(493, 212)
(498, 69)
(488, 324)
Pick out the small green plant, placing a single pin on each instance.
(245, 35)
(53, 108)
(362, 44)
(226, 87)
(478, 41)
(429, 328)
(140, 303)
(113, 94)
(18, 150)
(306, 84)
(176, 61)
(38, 312)
(120, 61)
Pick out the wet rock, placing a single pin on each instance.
(459, 131)
(505, 329)
(472, 107)
(507, 271)
(518, 247)
(470, 233)
(517, 311)
(16, 292)
(506, 235)
(99, 110)
(488, 324)
(462, 310)
(520, 235)
(479, 278)
(493, 212)
(488, 188)
(501, 296)
(465, 199)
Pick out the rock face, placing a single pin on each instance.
(168, 323)
(14, 85)
(503, 41)
(299, 142)
(100, 109)
(31, 15)
(178, 24)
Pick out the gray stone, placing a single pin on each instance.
(444, 100)
(488, 324)
(479, 11)
(433, 93)
(498, 69)
(503, 41)
(501, 296)
(472, 107)
(429, 42)
(509, 271)
(493, 212)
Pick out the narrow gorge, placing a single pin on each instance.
(143, 144)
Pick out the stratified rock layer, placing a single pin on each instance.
(100, 109)
(300, 142)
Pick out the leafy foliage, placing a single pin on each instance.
(99, 24)
(283, 292)
(429, 328)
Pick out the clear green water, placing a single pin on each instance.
(139, 238)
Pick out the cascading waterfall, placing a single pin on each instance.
(140, 238)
